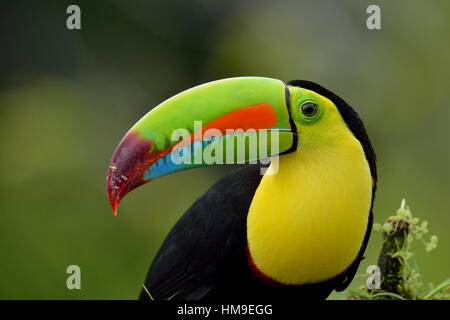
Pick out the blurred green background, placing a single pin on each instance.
(68, 97)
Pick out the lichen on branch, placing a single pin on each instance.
(399, 280)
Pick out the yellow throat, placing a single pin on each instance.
(306, 223)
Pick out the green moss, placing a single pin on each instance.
(400, 278)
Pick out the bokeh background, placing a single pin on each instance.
(68, 97)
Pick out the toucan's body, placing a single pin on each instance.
(205, 256)
(297, 231)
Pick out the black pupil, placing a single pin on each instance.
(309, 109)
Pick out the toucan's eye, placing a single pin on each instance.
(310, 109)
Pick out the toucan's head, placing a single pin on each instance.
(197, 127)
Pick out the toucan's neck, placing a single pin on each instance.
(306, 223)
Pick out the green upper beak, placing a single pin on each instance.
(204, 123)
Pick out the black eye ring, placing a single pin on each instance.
(310, 110)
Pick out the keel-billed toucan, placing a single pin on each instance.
(297, 231)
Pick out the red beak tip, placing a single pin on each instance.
(114, 207)
(114, 203)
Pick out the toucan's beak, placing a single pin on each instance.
(172, 136)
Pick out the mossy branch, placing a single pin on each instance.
(391, 264)
(398, 279)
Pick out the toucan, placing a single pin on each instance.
(295, 231)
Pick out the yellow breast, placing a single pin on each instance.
(307, 222)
